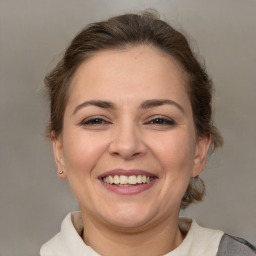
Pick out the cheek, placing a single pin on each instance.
(81, 152)
(175, 152)
(82, 155)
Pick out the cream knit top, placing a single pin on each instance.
(199, 241)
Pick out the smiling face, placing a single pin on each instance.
(128, 145)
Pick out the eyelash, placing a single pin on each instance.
(161, 121)
(94, 121)
(97, 121)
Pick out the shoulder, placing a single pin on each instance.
(68, 241)
(234, 246)
(53, 247)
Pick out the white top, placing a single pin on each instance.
(199, 241)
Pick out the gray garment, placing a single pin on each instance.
(234, 246)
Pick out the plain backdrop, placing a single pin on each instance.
(33, 36)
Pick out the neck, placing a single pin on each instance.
(157, 239)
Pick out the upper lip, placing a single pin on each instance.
(126, 172)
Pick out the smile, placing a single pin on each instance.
(127, 182)
(123, 180)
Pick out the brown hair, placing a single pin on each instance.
(126, 31)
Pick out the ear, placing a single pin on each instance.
(57, 146)
(201, 151)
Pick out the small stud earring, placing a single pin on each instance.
(60, 172)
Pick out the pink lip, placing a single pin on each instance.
(127, 190)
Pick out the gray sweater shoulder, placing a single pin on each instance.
(234, 246)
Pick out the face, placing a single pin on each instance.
(128, 145)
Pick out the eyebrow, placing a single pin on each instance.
(97, 103)
(157, 102)
(144, 105)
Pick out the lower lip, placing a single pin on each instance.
(129, 190)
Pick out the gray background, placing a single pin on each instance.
(33, 36)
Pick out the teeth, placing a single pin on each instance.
(111, 179)
(116, 179)
(127, 180)
(139, 179)
(132, 180)
(124, 180)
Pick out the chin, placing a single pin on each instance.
(128, 223)
(128, 218)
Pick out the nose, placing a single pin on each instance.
(127, 142)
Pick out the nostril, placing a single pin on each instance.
(127, 144)
(127, 154)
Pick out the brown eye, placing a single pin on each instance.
(161, 121)
(94, 121)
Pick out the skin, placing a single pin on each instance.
(159, 139)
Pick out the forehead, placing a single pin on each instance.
(138, 68)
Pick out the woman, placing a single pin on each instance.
(131, 127)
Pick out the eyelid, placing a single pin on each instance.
(169, 121)
(86, 121)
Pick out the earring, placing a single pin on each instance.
(60, 172)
